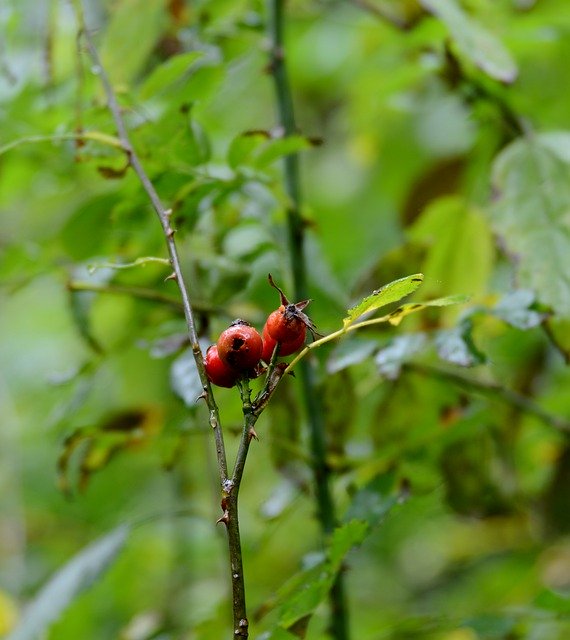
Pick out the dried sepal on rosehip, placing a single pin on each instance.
(286, 323)
(285, 348)
(240, 346)
(218, 373)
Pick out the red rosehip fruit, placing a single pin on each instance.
(285, 348)
(284, 324)
(288, 322)
(240, 346)
(218, 373)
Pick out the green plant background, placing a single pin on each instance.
(421, 152)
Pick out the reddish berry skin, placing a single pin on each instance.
(284, 325)
(286, 348)
(218, 373)
(240, 346)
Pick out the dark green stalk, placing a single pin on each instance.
(295, 222)
(307, 371)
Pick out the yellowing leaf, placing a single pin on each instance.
(8, 613)
(398, 314)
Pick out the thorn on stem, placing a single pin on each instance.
(225, 518)
(202, 396)
(172, 276)
(170, 233)
(252, 434)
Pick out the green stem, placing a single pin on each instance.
(307, 372)
(295, 222)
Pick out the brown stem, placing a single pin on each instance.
(231, 517)
(164, 218)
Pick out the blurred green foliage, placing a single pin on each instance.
(443, 134)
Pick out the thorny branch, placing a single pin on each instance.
(230, 486)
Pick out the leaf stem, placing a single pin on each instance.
(307, 373)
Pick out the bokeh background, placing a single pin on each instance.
(434, 138)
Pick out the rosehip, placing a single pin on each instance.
(284, 325)
(285, 348)
(218, 373)
(240, 346)
(288, 322)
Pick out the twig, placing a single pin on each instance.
(296, 235)
(164, 217)
(508, 396)
(231, 518)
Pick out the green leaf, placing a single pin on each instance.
(374, 501)
(396, 316)
(515, 308)
(559, 334)
(277, 634)
(532, 215)
(259, 149)
(70, 581)
(130, 37)
(460, 247)
(344, 538)
(243, 146)
(168, 73)
(284, 432)
(279, 148)
(303, 593)
(388, 294)
(552, 601)
(184, 377)
(339, 402)
(389, 360)
(456, 345)
(350, 351)
(474, 41)
(86, 230)
(80, 303)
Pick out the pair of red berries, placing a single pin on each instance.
(240, 347)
